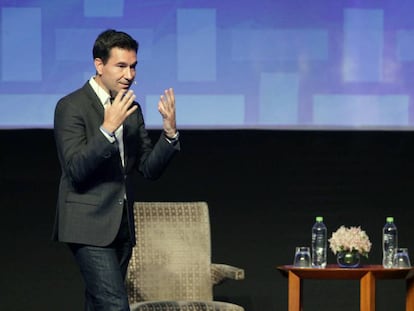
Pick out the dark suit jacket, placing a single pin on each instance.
(93, 181)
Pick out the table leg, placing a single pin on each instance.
(367, 292)
(295, 292)
(409, 296)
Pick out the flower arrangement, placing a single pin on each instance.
(351, 239)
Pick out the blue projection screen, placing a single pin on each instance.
(286, 64)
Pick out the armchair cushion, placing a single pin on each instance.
(185, 306)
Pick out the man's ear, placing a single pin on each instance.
(98, 65)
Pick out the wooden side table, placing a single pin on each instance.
(366, 274)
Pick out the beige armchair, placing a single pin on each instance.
(170, 268)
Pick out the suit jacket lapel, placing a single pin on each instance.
(94, 99)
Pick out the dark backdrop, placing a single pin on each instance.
(264, 189)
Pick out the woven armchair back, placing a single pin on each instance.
(172, 258)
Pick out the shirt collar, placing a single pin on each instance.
(100, 92)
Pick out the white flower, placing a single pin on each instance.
(350, 239)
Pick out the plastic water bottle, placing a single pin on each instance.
(389, 242)
(319, 243)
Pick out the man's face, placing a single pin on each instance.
(119, 71)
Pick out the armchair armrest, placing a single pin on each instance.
(220, 272)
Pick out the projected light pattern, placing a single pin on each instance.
(234, 64)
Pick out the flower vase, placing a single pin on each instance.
(348, 259)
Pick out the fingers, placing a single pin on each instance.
(124, 98)
(122, 107)
(166, 107)
(166, 103)
(169, 97)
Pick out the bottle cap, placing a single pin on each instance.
(390, 219)
(319, 218)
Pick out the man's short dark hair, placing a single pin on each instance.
(109, 39)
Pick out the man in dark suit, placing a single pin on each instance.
(101, 137)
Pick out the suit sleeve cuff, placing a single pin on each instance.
(174, 139)
(110, 136)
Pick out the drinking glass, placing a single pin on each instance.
(401, 258)
(302, 257)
